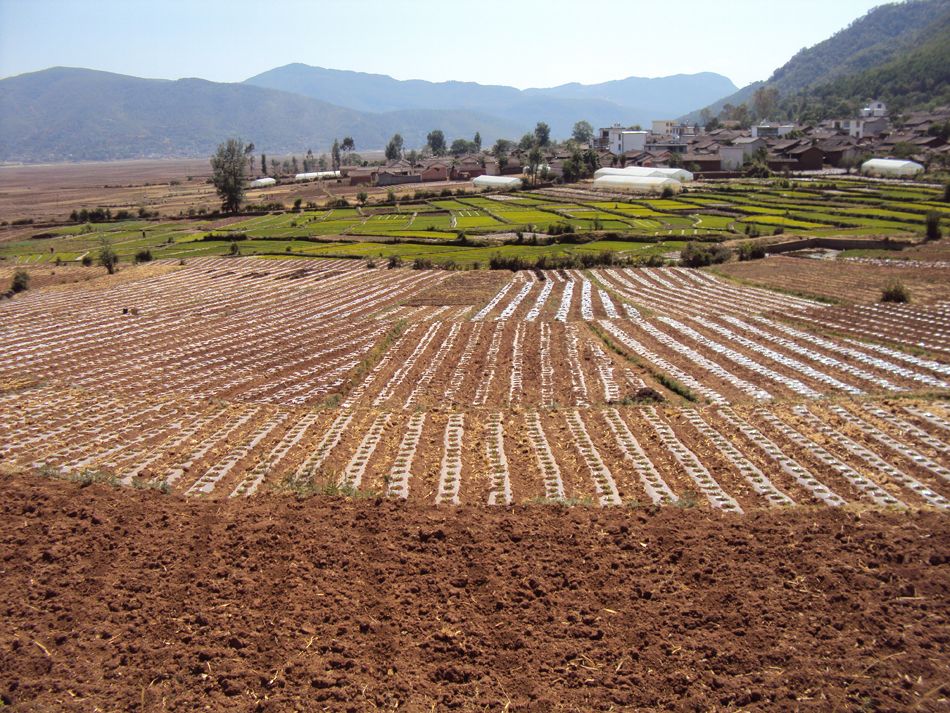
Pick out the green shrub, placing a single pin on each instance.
(143, 256)
(86, 260)
(895, 291)
(21, 281)
(699, 255)
(394, 261)
(751, 251)
(933, 231)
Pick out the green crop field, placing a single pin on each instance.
(432, 227)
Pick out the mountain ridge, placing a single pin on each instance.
(880, 37)
(631, 100)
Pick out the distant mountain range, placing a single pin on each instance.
(634, 100)
(899, 53)
(72, 114)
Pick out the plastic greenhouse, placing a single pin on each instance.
(637, 184)
(890, 167)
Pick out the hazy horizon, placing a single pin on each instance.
(526, 44)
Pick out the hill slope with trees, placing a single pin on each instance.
(892, 53)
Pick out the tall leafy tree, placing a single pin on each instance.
(542, 133)
(335, 155)
(583, 132)
(764, 102)
(527, 142)
(460, 147)
(348, 144)
(394, 148)
(435, 140)
(264, 163)
(477, 141)
(535, 157)
(227, 174)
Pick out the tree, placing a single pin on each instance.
(20, 282)
(583, 132)
(932, 226)
(308, 161)
(764, 102)
(362, 197)
(435, 140)
(264, 163)
(527, 142)
(248, 154)
(107, 257)
(296, 168)
(460, 147)
(335, 155)
(227, 174)
(535, 157)
(477, 141)
(542, 133)
(348, 144)
(394, 148)
(413, 157)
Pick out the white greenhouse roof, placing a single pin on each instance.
(263, 182)
(636, 184)
(316, 175)
(497, 181)
(680, 174)
(892, 166)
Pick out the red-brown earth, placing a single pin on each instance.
(123, 599)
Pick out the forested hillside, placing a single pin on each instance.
(917, 78)
(896, 52)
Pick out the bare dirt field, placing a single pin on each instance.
(840, 280)
(117, 599)
(292, 484)
(50, 192)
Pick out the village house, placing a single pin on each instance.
(434, 171)
(619, 140)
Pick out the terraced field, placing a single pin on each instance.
(228, 377)
(713, 212)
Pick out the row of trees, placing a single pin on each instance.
(437, 145)
(342, 153)
(234, 157)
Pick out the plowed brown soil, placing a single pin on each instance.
(117, 599)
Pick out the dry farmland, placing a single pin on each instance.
(225, 378)
(265, 485)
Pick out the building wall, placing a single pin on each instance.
(632, 141)
(732, 157)
(388, 179)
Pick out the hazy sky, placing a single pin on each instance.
(524, 43)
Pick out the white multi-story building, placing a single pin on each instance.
(767, 130)
(619, 140)
(874, 108)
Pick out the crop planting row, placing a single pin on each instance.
(671, 291)
(823, 453)
(237, 335)
(925, 327)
